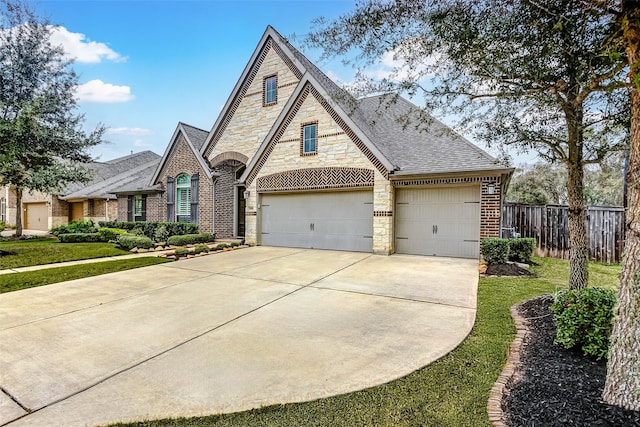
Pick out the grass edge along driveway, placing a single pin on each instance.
(16, 281)
(26, 253)
(453, 391)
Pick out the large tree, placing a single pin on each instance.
(42, 143)
(622, 386)
(527, 74)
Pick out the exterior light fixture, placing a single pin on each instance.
(246, 194)
(491, 189)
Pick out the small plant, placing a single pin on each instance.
(234, 244)
(181, 252)
(521, 249)
(161, 234)
(584, 318)
(79, 237)
(190, 239)
(201, 249)
(110, 234)
(74, 227)
(2, 226)
(130, 241)
(221, 246)
(495, 251)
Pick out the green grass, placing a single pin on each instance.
(452, 391)
(17, 281)
(26, 253)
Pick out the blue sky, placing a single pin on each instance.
(145, 65)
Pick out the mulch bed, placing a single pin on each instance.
(506, 270)
(554, 386)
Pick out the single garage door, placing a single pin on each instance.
(442, 221)
(320, 220)
(36, 216)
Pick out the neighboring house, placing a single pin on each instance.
(8, 204)
(293, 160)
(90, 201)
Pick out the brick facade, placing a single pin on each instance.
(225, 196)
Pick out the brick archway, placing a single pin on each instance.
(226, 156)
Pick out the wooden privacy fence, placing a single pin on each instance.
(550, 226)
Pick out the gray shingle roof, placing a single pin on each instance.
(416, 142)
(409, 138)
(113, 174)
(196, 135)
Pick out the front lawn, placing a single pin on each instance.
(452, 391)
(24, 253)
(17, 281)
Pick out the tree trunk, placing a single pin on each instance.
(578, 241)
(18, 211)
(622, 386)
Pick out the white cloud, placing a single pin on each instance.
(140, 143)
(99, 91)
(130, 131)
(81, 49)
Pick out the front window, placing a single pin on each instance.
(270, 90)
(137, 206)
(183, 198)
(309, 139)
(3, 209)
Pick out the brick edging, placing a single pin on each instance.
(494, 406)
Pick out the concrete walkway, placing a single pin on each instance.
(224, 333)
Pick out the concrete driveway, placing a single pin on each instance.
(226, 332)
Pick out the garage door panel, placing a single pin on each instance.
(438, 221)
(342, 220)
(36, 216)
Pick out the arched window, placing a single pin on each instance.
(183, 198)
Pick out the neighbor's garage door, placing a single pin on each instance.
(339, 220)
(36, 216)
(441, 221)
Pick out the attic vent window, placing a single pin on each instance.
(271, 90)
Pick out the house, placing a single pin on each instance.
(89, 201)
(294, 160)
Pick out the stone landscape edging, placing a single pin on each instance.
(494, 406)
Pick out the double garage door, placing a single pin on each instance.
(428, 221)
(320, 220)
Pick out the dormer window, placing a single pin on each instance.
(270, 90)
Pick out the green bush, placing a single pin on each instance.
(161, 234)
(181, 252)
(221, 246)
(110, 234)
(149, 228)
(202, 248)
(495, 251)
(2, 226)
(79, 237)
(130, 241)
(190, 239)
(521, 249)
(584, 318)
(234, 244)
(74, 227)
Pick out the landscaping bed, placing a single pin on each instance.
(554, 386)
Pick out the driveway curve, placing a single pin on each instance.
(225, 333)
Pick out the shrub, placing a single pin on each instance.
(221, 246)
(234, 244)
(130, 241)
(495, 251)
(521, 249)
(202, 248)
(79, 237)
(181, 252)
(110, 234)
(584, 318)
(189, 239)
(161, 234)
(2, 226)
(74, 227)
(149, 229)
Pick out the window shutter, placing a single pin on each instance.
(195, 181)
(171, 194)
(143, 213)
(129, 208)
